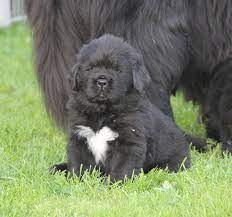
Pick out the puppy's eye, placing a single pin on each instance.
(120, 70)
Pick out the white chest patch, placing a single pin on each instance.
(98, 142)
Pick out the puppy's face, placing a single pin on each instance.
(104, 79)
(107, 69)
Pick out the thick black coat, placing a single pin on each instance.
(181, 41)
(147, 138)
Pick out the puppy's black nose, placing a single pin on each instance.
(102, 82)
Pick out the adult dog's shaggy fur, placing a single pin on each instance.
(112, 123)
(181, 41)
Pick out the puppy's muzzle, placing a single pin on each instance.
(102, 82)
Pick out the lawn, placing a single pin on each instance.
(30, 144)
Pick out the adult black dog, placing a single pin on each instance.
(181, 41)
(112, 124)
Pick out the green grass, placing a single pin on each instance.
(29, 145)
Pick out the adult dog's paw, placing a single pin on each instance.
(227, 146)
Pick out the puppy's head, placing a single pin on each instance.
(108, 69)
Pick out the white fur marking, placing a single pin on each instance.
(97, 142)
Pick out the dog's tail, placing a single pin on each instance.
(52, 56)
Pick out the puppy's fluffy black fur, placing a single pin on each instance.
(181, 41)
(147, 137)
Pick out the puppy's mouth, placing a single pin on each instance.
(100, 97)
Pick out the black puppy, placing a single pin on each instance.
(112, 124)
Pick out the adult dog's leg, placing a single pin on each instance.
(219, 113)
(225, 108)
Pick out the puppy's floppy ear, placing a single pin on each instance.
(141, 77)
(75, 86)
(74, 77)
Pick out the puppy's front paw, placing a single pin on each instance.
(63, 167)
(200, 144)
